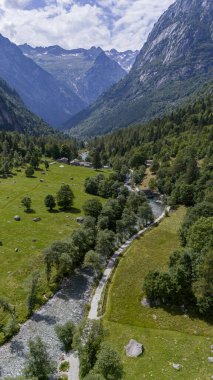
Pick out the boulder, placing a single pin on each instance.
(145, 302)
(133, 349)
(80, 219)
(17, 218)
(36, 219)
(16, 249)
(177, 366)
(210, 359)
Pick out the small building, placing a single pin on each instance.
(84, 164)
(63, 160)
(149, 163)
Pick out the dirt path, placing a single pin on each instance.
(93, 313)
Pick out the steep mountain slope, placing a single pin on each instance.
(102, 75)
(125, 59)
(81, 69)
(41, 93)
(15, 117)
(175, 63)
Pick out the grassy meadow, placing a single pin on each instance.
(31, 237)
(169, 336)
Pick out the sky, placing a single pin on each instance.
(119, 24)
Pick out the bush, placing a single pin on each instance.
(64, 366)
(29, 171)
(65, 334)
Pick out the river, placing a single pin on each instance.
(68, 303)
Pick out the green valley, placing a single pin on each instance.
(169, 335)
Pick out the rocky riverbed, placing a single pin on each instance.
(68, 304)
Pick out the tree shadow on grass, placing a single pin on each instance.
(53, 211)
(71, 210)
(30, 211)
(188, 311)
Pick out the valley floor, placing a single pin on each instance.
(169, 336)
(22, 242)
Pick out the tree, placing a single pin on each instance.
(152, 184)
(29, 171)
(92, 207)
(105, 243)
(96, 159)
(92, 375)
(108, 363)
(91, 185)
(46, 164)
(65, 197)
(27, 202)
(50, 202)
(38, 362)
(32, 297)
(87, 341)
(65, 334)
(145, 214)
(200, 234)
(93, 260)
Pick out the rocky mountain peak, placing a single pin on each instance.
(175, 64)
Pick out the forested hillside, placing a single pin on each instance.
(14, 116)
(179, 148)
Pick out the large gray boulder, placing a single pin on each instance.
(17, 218)
(133, 349)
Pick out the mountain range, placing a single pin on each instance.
(175, 64)
(40, 92)
(87, 72)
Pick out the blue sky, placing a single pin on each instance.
(120, 24)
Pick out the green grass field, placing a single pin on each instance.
(31, 237)
(168, 336)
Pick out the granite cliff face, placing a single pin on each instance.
(100, 77)
(41, 93)
(175, 63)
(15, 117)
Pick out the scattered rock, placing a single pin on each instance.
(71, 178)
(17, 218)
(80, 219)
(177, 366)
(43, 173)
(36, 219)
(61, 166)
(133, 349)
(16, 249)
(145, 302)
(211, 347)
(155, 317)
(41, 180)
(210, 359)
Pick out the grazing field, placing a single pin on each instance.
(169, 336)
(31, 237)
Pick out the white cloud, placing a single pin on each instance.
(123, 24)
